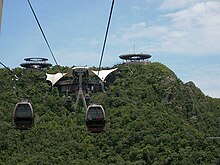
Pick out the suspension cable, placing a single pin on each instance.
(106, 35)
(13, 73)
(9, 70)
(17, 77)
(41, 29)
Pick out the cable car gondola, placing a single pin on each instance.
(23, 115)
(95, 118)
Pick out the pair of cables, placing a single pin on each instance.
(104, 42)
(49, 47)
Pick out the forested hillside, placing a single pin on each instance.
(152, 117)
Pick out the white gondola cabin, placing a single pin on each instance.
(95, 118)
(23, 115)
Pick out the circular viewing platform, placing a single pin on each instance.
(135, 57)
(36, 63)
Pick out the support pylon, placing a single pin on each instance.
(80, 94)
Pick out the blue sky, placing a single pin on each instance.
(184, 35)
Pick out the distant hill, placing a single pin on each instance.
(152, 118)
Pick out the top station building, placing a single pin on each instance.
(36, 63)
(135, 57)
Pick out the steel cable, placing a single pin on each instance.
(106, 35)
(41, 29)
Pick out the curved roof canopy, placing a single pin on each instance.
(53, 78)
(102, 74)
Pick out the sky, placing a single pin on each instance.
(183, 35)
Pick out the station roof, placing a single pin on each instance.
(53, 78)
(36, 59)
(135, 56)
(35, 63)
(102, 74)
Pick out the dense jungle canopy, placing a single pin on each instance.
(152, 117)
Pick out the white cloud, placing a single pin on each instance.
(135, 8)
(177, 4)
(194, 30)
(200, 14)
(139, 31)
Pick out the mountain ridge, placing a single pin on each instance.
(152, 118)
